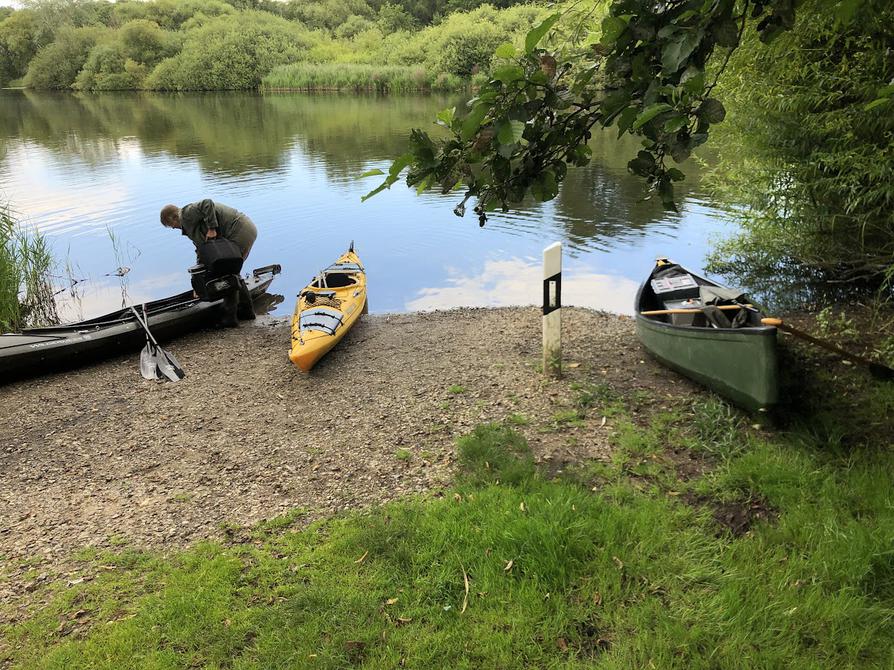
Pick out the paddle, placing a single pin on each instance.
(165, 362)
(878, 370)
(690, 310)
(148, 365)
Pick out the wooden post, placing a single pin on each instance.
(552, 309)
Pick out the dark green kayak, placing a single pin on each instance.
(728, 350)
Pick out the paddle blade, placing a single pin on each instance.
(168, 366)
(148, 366)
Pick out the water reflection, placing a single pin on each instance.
(516, 281)
(91, 169)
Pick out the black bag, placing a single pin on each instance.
(207, 287)
(220, 256)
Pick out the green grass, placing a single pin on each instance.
(456, 389)
(403, 455)
(611, 565)
(357, 77)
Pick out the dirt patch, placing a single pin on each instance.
(100, 457)
(735, 517)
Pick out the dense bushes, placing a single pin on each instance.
(57, 65)
(210, 44)
(18, 44)
(812, 165)
(231, 53)
(123, 62)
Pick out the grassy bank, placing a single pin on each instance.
(704, 543)
(355, 77)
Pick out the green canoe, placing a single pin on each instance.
(727, 350)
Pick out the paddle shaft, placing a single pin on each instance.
(145, 326)
(877, 368)
(690, 310)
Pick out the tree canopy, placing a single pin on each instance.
(648, 68)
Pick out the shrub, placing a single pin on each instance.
(145, 42)
(18, 44)
(230, 53)
(109, 69)
(328, 14)
(352, 26)
(57, 65)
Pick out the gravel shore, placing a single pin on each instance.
(101, 457)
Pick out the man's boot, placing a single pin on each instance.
(228, 311)
(245, 310)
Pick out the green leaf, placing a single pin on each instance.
(532, 39)
(885, 91)
(666, 191)
(424, 184)
(675, 123)
(510, 132)
(505, 51)
(693, 79)
(650, 113)
(612, 28)
(675, 174)
(393, 173)
(876, 103)
(509, 73)
(371, 173)
(677, 51)
(712, 111)
(445, 116)
(727, 34)
(626, 119)
(643, 165)
(545, 186)
(399, 164)
(472, 122)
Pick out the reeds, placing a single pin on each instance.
(26, 294)
(358, 77)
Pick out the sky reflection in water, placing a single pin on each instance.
(92, 172)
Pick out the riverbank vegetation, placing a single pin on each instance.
(702, 543)
(213, 45)
(807, 155)
(26, 296)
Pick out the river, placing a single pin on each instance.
(92, 171)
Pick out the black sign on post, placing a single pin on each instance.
(552, 293)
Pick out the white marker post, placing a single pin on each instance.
(552, 309)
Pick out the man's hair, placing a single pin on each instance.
(169, 214)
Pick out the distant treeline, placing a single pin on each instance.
(215, 45)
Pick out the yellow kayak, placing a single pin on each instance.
(327, 308)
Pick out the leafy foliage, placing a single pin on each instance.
(654, 58)
(230, 53)
(809, 152)
(57, 65)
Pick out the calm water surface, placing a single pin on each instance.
(91, 173)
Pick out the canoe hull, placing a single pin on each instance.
(739, 363)
(740, 366)
(41, 350)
